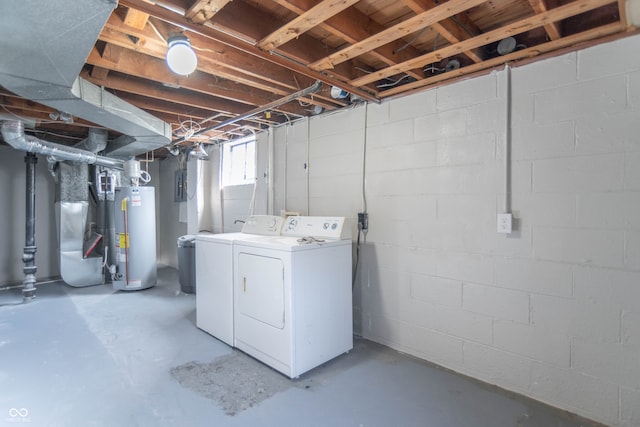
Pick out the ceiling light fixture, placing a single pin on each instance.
(173, 150)
(198, 152)
(181, 59)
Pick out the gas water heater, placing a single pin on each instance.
(135, 222)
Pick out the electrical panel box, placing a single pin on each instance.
(180, 186)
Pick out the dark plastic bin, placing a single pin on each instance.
(187, 263)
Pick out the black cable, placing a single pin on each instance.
(355, 271)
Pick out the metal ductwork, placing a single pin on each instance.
(13, 134)
(44, 45)
(95, 142)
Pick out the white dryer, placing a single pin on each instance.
(293, 303)
(214, 274)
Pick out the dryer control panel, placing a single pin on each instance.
(321, 227)
(266, 225)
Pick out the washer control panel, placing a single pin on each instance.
(322, 227)
(267, 225)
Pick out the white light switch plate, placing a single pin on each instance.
(504, 223)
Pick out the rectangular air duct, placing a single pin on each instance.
(44, 45)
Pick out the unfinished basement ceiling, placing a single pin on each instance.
(254, 52)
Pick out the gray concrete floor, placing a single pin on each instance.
(95, 357)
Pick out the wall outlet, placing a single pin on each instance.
(505, 223)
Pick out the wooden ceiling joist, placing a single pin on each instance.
(203, 10)
(253, 53)
(513, 29)
(552, 29)
(154, 69)
(207, 31)
(449, 29)
(353, 26)
(514, 56)
(397, 31)
(303, 23)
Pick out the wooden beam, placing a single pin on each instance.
(22, 108)
(514, 56)
(352, 26)
(397, 31)
(130, 84)
(622, 11)
(176, 19)
(163, 106)
(135, 19)
(214, 58)
(303, 23)
(111, 52)
(249, 24)
(203, 10)
(208, 64)
(218, 59)
(552, 29)
(155, 69)
(99, 73)
(512, 29)
(449, 29)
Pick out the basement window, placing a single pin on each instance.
(239, 162)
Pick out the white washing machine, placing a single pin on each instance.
(214, 274)
(293, 294)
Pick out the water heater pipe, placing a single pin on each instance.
(126, 242)
(13, 134)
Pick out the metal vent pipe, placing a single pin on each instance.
(29, 253)
(13, 134)
(95, 141)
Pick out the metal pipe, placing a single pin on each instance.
(13, 134)
(21, 285)
(29, 253)
(507, 139)
(126, 242)
(301, 93)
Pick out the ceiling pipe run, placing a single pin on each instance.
(302, 93)
(13, 134)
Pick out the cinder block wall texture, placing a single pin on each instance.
(551, 311)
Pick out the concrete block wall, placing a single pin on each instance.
(550, 311)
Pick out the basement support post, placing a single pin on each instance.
(29, 254)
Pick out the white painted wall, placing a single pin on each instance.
(12, 217)
(551, 311)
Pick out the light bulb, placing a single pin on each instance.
(181, 58)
